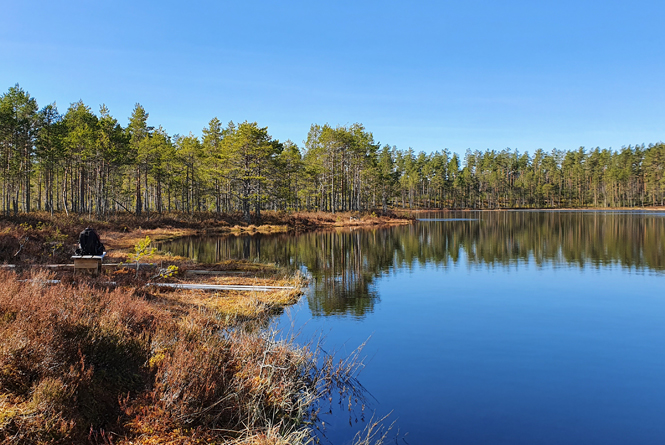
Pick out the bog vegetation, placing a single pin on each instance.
(109, 360)
(82, 162)
(82, 363)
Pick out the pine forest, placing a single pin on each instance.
(83, 162)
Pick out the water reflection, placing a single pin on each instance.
(344, 264)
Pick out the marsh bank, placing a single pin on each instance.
(502, 327)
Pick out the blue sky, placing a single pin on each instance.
(427, 75)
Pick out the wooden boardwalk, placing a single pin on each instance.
(237, 287)
(188, 286)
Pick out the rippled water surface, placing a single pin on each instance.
(488, 327)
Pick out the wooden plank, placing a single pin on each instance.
(87, 263)
(62, 266)
(237, 287)
(217, 272)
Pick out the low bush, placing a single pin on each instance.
(79, 364)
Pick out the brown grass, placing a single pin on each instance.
(67, 354)
(303, 221)
(233, 307)
(83, 364)
(86, 362)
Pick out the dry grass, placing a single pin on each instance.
(233, 307)
(67, 354)
(303, 221)
(81, 364)
(24, 243)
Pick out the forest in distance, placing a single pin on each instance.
(87, 163)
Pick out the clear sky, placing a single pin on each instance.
(428, 75)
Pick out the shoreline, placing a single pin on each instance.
(29, 233)
(124, 240)
(39, 238)
(114, 358)
(516, 209)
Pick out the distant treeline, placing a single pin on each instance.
(84, 162)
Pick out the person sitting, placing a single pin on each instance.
(89, 243)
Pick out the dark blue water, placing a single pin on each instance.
(497, 327)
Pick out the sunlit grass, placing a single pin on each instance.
(81, 364)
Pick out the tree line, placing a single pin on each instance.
(85, 162)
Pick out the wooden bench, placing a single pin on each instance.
(88, 263)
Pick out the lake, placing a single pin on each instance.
(511, 327)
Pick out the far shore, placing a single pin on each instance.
(275, 223)
(57, 235)
(544, 209)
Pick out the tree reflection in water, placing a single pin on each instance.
(345, 263)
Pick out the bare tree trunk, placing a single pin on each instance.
(138, 191)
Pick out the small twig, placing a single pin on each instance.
(126, 209)
(273, 367)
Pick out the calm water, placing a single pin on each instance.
(489, 327)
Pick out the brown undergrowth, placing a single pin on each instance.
(40, 237)
(108, 360)
(83, 364)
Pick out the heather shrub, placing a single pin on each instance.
(220, 380)
(80, 364)
(68, 354)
